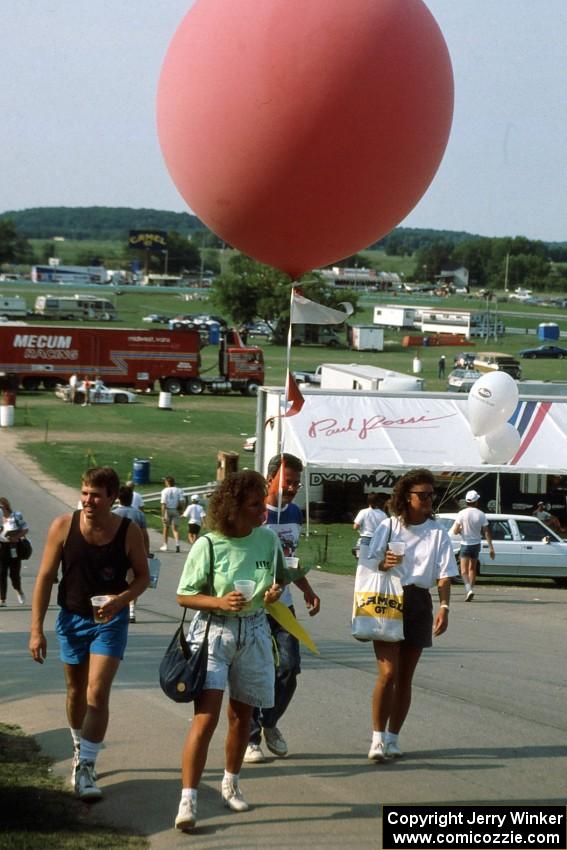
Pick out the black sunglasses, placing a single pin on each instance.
(423, 497)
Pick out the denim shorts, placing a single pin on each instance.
(80, 636)
(470, 550)
(240, 653)
(171, 518)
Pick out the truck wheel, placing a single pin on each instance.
(296, 342)
(121, 399)
(334, 343)
(194, 386)
(30, 383)
(172, 385)
(252, 388)
(49, 383)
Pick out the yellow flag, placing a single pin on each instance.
(285, 618)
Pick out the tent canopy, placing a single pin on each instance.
(355, 430)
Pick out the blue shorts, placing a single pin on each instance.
(240, 653)
(80, 637)
(470, 550)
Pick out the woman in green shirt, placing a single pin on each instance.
(240, 647)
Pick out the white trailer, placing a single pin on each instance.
(397, 316)
(13, 307)
(343, 376)
(366, 338)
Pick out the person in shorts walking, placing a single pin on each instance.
(172, 501)
(240, 644)
(96, 549)
(428, 561)
(194, 514)
(471, 524)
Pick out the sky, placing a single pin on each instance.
(78, 111)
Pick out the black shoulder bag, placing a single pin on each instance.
(182, 673)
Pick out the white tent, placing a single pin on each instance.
(355, 430)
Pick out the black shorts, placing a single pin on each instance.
(193, 528)
(418, 616)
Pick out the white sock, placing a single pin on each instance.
(392, 737)
(467, 587)
(377, 738)
(89, 750)
(187, 793)
(233, 777)
(76, 736)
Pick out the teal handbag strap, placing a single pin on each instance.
(211, 577)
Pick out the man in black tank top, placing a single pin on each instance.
(96, 549)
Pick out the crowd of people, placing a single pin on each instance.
(252, 533)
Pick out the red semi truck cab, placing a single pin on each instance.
(34, 356)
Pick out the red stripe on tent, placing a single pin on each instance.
(532, 431)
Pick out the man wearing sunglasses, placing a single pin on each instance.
(285, 519)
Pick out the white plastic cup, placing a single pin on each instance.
(154, 565)
(397, 548)
(292, 563)
(97, 602)
(246, 587)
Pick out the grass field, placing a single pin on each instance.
(38, 811)
(184, 442)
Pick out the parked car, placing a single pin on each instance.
(523, 546)
(156, 317)
(461, 380)
(553, 351)
(305, 377)
(258, 329)
(249, 444)
(104, 395)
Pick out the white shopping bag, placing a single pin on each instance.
(377, 612)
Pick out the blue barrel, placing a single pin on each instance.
(140, 471)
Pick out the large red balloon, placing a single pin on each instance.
(300, 131)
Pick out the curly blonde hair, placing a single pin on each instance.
(226, 502)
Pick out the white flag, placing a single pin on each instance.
(306, 312)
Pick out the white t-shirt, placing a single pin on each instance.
(137, 501)
(171, 497)
(368, 520)
(194, 513)
(429, 552)
(472, 521)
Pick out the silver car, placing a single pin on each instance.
(523, 546)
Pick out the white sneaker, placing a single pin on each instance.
(85, 786)
(163, 548)
(275, 742)
(377, 752)
(393, 751)
(470, 596)
(232, 796)
(254, 754)
(187, 814)
(21, 598)
(2, 603)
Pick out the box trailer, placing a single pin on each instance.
(32, 357)
(13, 307)
(397, 316)
(342, 376)
(366, 338)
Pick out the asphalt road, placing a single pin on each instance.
(488, 722)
